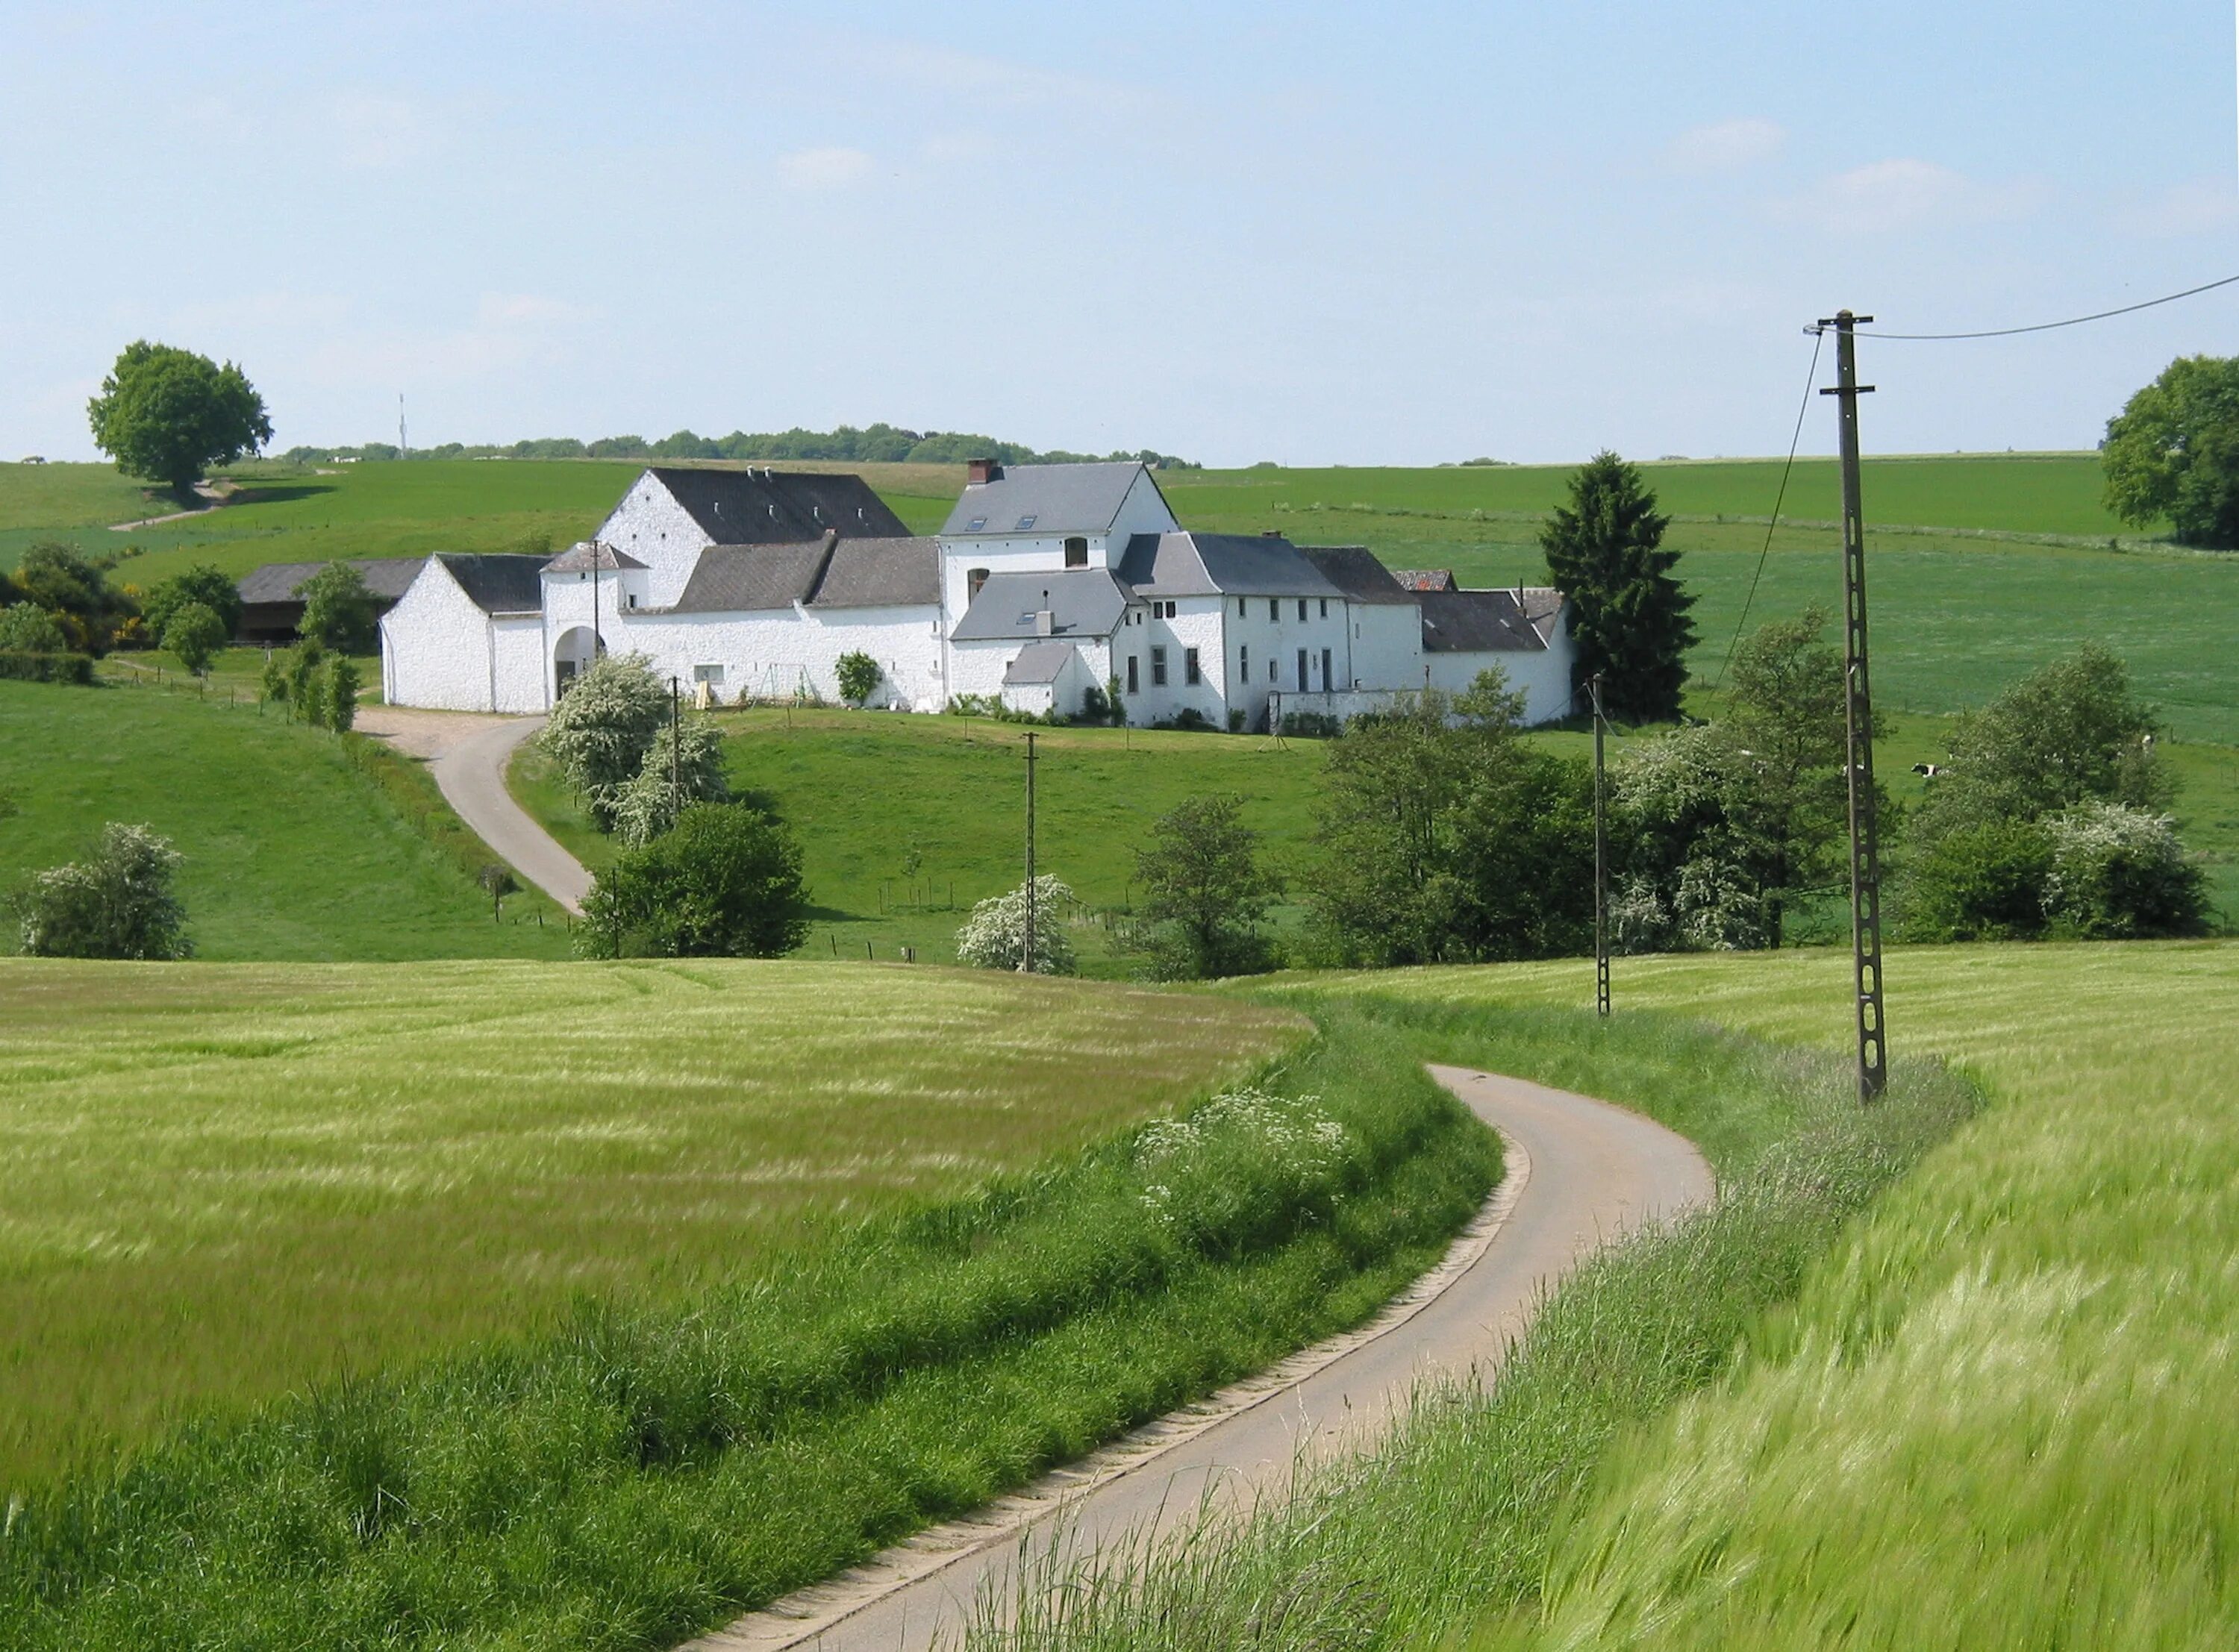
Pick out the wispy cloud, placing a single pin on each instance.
(1886, 197)
(818, 171)
(1723, 146)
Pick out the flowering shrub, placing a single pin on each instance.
(994, 937)
(2119, 872)
(1243, 1166)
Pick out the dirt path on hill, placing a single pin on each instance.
(466, 751)
(1580, 1172)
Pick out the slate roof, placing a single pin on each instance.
(1355, 570)
(1082, 602)
(583, 556)
(1183, 564)
(881, 573)
(1040, 662)
(1045, 500)
(778, 506)
(1486, 621)
(388, 576)
(497, 583)
(1427, 579)
(745, 579)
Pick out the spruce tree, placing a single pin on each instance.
(1605, 551)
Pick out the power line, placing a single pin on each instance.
(1794, 437)
(2047, 327)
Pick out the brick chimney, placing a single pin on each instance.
(983, 470)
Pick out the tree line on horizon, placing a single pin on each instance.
(874, 444)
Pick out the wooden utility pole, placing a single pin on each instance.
(1601, 862)
(1857, 705)
(675, 765)
(1026, 952)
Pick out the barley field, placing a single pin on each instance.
(219, 1182)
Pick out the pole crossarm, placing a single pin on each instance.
(1857, 705)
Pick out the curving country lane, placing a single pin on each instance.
(1580, 1173)
(468, 752)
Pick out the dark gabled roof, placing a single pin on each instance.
(386, 576)
(1427, 579)
(1185, 564)
(1486, 621)
(746, 579)
(586, 555)
(1043, 499)
(1082, 602)
(1040, 662)
(1355, 571)
(881, 573)
(778, 507)
(497, 583)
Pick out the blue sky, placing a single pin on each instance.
(1313, 234)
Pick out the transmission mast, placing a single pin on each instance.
(1857, 706)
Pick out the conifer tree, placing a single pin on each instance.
(1605, 551)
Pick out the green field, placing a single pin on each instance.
(613, 1301)
(292, 849)
(222, 1181)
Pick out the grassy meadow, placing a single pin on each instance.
(785, 1322)
(1977, 1404)
(225, 1181)
(297, 844)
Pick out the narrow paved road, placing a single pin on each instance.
(1581, 1172)
(467, 753)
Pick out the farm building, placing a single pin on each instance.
(270, 609)
(1046, 583)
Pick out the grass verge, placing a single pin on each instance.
(635, 1475)
(1461, 1511)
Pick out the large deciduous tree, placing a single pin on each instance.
(169, 415)
(602, 729)
(2173, 452)
(1606, 552)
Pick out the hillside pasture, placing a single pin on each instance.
(294, 848)
(223, 1181)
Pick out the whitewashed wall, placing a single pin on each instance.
(520, 676)
(1197, 624)
(1388, 645)
(779, 652)
(435, 649)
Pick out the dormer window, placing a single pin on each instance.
(1076, 551)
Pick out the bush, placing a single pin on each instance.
(1237, 717)
(339, 612)
(338, 694)
(859, 676)
(994, 937)
(194, 633)
(1302, 725)
(602, 729)
(678, 771)
(201, 583)
(48, 667)
(2119, 873)
(1982, 882)
(723, 882)
(29, 628)
(116, 903)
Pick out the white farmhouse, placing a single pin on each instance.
(1048, 582)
